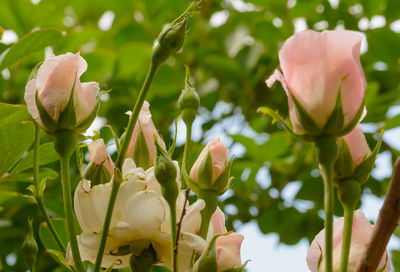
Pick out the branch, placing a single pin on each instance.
(385, 225)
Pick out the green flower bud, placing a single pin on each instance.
(29, 247)
(189, 101)
(172, 37)
(349, 192)
(145, 261)
(166, 173)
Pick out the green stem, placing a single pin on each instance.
(69, 216)
(329, 205)
(211, 201)
(327, 151)
(347, 230)
(39, 195)
(174, 245)
(121, 157)
(186, 152)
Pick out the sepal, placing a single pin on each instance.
(205, 172)
(190, 182)
(141, 154)
(49, 124)
(208, 260)
(305, 119)
(336, 120)
(85, 124)
(97, 174)
(363, 170)
(238, 269)
(344, 165)
(67, 119)
(356, 119)
(224, 180)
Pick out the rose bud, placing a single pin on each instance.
(142, 147)
(212, 168)
(56, 98)
(324, 81)
(362, 231)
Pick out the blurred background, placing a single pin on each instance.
(232, 46)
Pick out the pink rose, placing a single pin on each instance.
(358, 145)
(362, 231)
(148, 129)
(314, 66)
(219, 155)
(99, 156)
(228, 251)
(54, 82)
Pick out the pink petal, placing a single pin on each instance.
(218, 221)
(30, 93)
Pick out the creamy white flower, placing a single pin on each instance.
(140, 217)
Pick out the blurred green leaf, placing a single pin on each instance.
(47, 154)
(15, 140)
(30, 43)
(13, 114)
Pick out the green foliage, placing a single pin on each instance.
(30, 43)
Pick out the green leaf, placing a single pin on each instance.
(48, 241)
(392, 122)
(15, 140)
(27, 176)
(12, 114)
(59, 256)
(47, 154)
(30, 43)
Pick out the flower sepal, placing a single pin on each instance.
(141, 154)
(208, 260)
(364, 169)
(144, 261)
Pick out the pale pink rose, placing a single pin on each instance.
(98, 155)
(219, 155)
(149, 130)
(54, 82)
(357, 144)
(361, 233)
(218, 221)
(228, 251)
(314, 65)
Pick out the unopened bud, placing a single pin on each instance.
(29, 247)
(172, 36)
(165, 173)
(189, 101)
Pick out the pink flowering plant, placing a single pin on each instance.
(134, 200)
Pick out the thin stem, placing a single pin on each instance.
(39, 195)
(121, 157)
(135, 114)
(69, 216)
(211, 201)
(329, 205)
(347, 230)
(186, 151)
(327, 151)
(174, 246)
